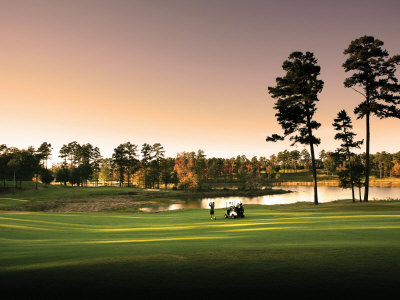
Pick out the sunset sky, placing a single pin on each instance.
(187, 74)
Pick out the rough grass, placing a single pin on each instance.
(331, 250)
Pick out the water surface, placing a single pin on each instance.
(300, 194)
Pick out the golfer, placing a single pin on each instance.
(212, 205)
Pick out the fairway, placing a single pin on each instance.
(337, 246)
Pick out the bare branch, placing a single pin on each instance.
(359, 92)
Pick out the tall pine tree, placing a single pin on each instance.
(297, 94)
(374, 71)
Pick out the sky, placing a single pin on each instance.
(187, 74)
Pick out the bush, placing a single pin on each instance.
(46, 176)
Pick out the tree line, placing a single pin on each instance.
(19, 165)
(149, 168)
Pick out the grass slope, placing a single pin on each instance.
(334, 250)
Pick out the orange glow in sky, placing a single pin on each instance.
(188, 74)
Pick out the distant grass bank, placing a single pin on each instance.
(334, 250)
(82, 199)
(305, 177)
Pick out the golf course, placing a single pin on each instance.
(335, 249)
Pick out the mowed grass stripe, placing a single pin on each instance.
(337, 228)
(81, 226)
(22, 227)
(158, 240)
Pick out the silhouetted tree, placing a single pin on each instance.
(145, 162)
(200, 167)
(4, 159)
(70, 151)
(44, 151)
(374, 71)
(343, 125)
(297, 94)
(132, 162)
(167, 171)
(158, 153)
(119, 161)
(62, 175)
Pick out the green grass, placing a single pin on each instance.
(340, 247)
(65, 199)
(305, 176)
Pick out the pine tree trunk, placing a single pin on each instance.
(351, 175)
(367, 166)
(314, 169)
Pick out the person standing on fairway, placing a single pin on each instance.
(212, 205)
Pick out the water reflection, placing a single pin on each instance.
(300, 194)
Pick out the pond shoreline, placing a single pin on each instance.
(334, 183)
(231, 193)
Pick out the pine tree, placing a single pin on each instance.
(374, 71)
(297, 94)
(343, 125)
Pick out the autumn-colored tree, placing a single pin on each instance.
(396, 169)
(396, 164)
(184, 168)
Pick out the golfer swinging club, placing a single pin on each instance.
(212, 205)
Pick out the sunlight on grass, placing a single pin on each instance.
(14, 199)
(144, 228)
(340, 217)
(144, 217)
(48, 222)
(157, 240)
(259, 229)
(26, 227)
(355, 227)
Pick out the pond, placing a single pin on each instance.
(300, 194)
